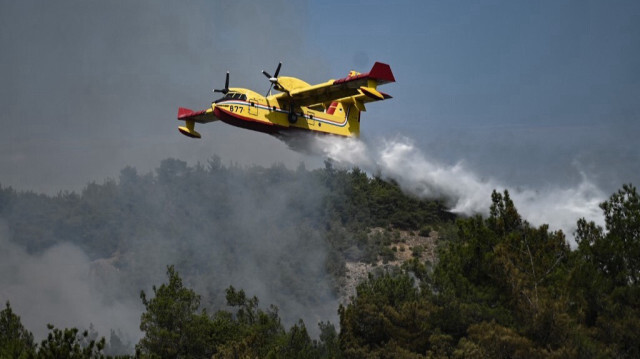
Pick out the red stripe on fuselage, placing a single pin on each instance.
(237, 120)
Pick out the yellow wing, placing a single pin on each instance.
(356, 88)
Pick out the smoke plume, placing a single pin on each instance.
(63, 287)
(399, 159)
(257, 229)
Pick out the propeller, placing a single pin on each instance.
(225, 90)
(273, 79)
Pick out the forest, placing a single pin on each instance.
(232, 262)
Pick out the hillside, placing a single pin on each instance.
(398, 246)
(402, 276)
(280, 234)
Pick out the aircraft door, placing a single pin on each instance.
(253, 107)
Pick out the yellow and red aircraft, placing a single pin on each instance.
(331, 107)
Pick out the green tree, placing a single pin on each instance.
(69, 343)
(295, 344)
(15, 340)
(173, 328)
(607, 273)
(491, 340)
(502, 270)
(254, 333)
(388, 318)
(329, 346)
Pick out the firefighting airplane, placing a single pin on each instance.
(332, 107)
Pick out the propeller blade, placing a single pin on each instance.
(278, 70)
(273, 79)
(269, 92)
(225, 90)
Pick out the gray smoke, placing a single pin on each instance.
(88, 87)
(258, 229)
(399, 159)
(260, 236)
(62, 286)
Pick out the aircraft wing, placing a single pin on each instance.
(203, 116)
(358, 88)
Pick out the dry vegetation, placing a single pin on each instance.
(405, 246)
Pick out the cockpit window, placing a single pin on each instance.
(232, 96)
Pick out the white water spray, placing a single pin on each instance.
(400, 160)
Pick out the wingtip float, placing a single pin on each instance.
(332, 107)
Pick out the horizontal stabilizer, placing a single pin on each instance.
(371, 93)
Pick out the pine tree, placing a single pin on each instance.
(15, 340)
(172, 326)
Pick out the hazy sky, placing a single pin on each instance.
(531, 92)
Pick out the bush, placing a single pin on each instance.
(387, 254)
(417, 251)
(425, 231)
